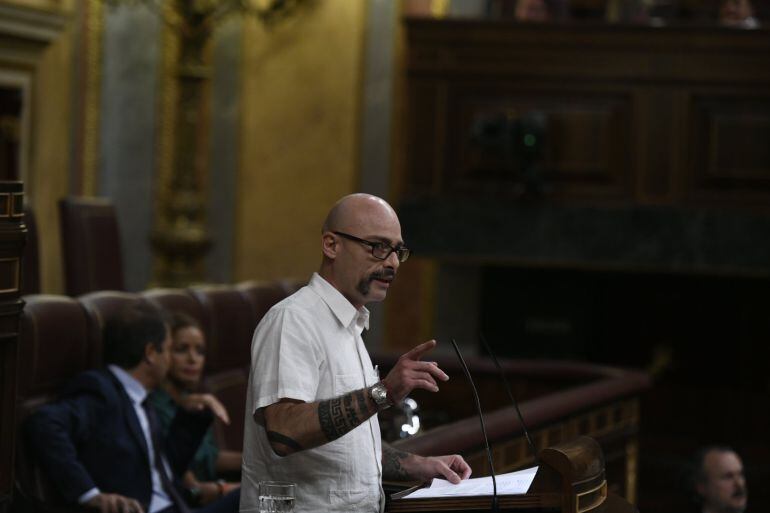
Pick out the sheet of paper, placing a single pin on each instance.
(512, 483)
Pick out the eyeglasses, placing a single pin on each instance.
(381, 250)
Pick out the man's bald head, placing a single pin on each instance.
(357, 224)
(353, 210)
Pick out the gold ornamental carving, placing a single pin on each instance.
(179, 239)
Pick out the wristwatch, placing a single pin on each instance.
(379, 395)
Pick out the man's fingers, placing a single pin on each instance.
(113, 504)
(135, 506)
(125, 505)
(416, 352)
(449, 474)
(461, 466)
(432, 368)
(426, 385)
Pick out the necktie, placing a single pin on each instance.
(165, 479)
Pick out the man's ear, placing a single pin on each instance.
(150, 353)
(329, 245)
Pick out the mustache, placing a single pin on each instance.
(741, 492)
(385, 274)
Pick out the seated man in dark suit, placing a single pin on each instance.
(100, 442)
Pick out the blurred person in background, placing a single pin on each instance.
(182, 384)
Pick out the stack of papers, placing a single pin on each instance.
(512, 483)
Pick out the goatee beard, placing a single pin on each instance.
(365, 285)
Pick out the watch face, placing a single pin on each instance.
(379, 394)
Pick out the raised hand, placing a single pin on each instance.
(410, 373)
(199, 402)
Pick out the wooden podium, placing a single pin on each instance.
(570, 479)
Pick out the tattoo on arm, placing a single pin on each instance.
(392, 467)
(342, 414)
(290, 443)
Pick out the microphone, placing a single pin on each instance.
(483, 428)
(510, 396)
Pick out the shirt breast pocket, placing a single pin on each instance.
(345, 383)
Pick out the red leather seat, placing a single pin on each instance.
(100, 307)
(263, 295)
(91, 248)
(178, 300)
(230, 388)
(54, 346)
(230, 321)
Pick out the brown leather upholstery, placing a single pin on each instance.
(54, 346)
(230, 388)
(230, 320)
(101, 306)
(91, 248)
(178, 300)
(262, 296)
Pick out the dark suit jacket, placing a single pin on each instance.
(91, 437)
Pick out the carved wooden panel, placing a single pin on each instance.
(543, 142)
(730, 149)
(627, 115)
(424, 134)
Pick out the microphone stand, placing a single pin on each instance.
(512, 398)
(483, 428)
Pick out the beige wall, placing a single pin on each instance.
(299, 138)
(49, 167)
(47, 173)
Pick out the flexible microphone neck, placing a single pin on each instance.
(511, 397)
(483, 428)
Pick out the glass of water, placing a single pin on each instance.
(276, 497)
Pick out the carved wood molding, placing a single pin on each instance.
(32, 28)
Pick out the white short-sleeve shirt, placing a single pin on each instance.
(309, 347)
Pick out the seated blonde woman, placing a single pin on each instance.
(188, 356)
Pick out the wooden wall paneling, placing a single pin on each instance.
(579, 140)
(730, 149)
(422, 131)
(565, 72)
(657, 115)
(12, 238)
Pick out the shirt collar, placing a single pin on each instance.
(345, 312)
(134, 389)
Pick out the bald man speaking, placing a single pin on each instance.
(313, 393)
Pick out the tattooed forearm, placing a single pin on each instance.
(342, 414)
(282, 444)
(392, 464)
(349, 410)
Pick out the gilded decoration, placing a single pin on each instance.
(179, 238)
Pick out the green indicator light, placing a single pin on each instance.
(529, 140)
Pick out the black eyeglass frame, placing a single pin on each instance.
(402, 252)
